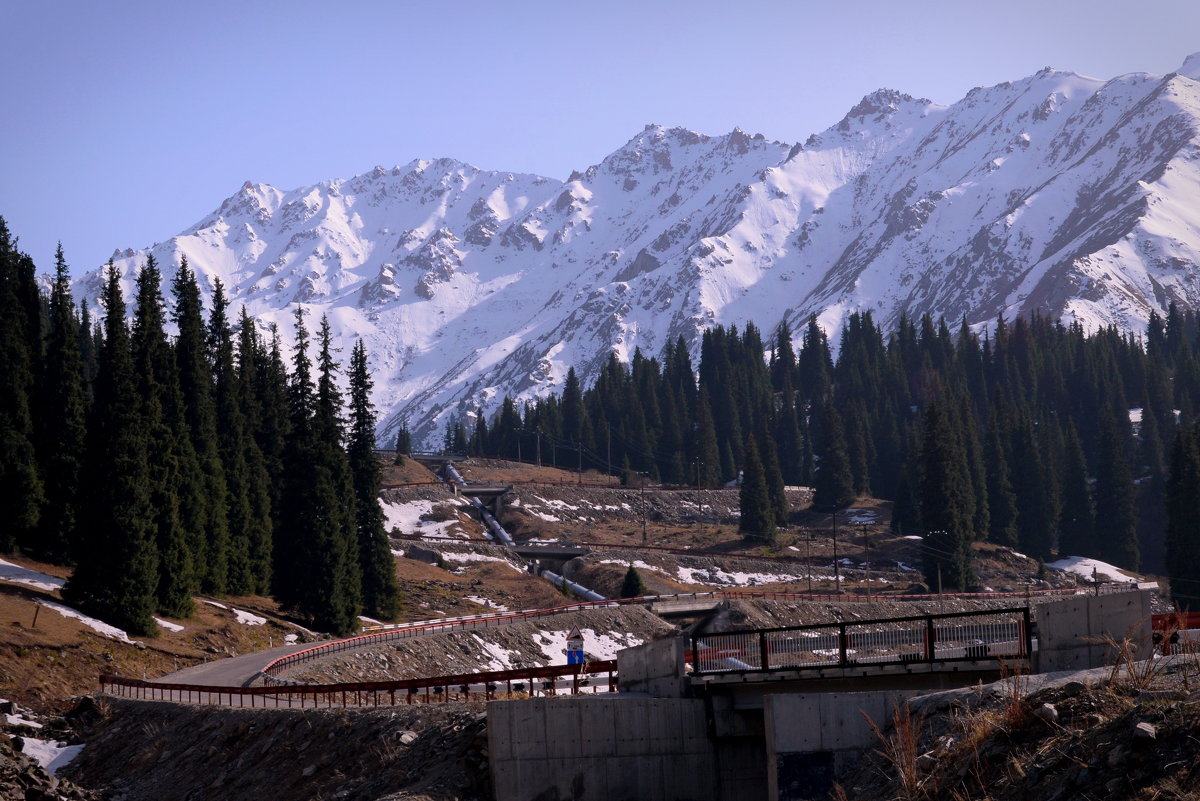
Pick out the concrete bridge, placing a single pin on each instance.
(779, 713)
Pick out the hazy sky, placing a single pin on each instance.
(126, 122)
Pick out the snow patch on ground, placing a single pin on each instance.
(23, 575)
(218, 605)
(50, 755)
(1083, 566)
(715, 577)
(290, 638)
(501, 657)
(598, 646)
(407, 518)
(478, 557)
(860, 516)
(90, 622)
(17, 720)
(248, 618)
(166, 624)
(492, 605)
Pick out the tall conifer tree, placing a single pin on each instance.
(195, 381)
(381, 595)
(117, 572)
(157, 388)
(63, 420)
(21, 490)
(757, 517)
(946, 501)
(1116, 522)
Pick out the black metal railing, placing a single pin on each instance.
(955, 637)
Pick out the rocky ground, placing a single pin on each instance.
(1129, 732)
(145, 751)
(23, 734)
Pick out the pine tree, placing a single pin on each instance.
(709, 460)
(248, 507)
(116, 577)
(380, 593)
(195, 381)
(337, 570)
(1116, 523)
(1035, 509)
(757, 518)
(780, 507)
(403, 445)
(21, 490)
(63, 421)
(1002, 501)
(157, 388)
(946, 501)
(317, 572)
(632, 586)
(1183, 516)
(833, 483)
(1076, 520)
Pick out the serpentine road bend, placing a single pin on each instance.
(237, 671)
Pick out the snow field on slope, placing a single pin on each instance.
(599, 646)
(407, 518)
(1084, 566)
(716, 577)
(30, 578)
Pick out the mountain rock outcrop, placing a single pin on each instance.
(1073, 196)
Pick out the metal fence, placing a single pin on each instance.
(590, 677)
(962, 636)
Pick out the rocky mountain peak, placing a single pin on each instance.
(1055, 192)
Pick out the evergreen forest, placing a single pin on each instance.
(1034, 435)
(165, 466)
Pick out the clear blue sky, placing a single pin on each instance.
(126, 122)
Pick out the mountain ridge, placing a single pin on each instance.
(1069, 195)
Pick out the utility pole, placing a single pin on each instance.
(608, 437)
(941, 598)
(808, 558)
(579, 451)
(837, 568)
(645, 477)
(867, 547)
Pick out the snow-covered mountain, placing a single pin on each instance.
(1058, 192)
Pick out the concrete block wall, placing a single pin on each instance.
(813, 737)
(655, 668)
(1069, 630)
(601, 748)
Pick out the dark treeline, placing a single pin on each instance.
(161, 467)
(1021, 437)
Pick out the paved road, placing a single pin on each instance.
(237, 671)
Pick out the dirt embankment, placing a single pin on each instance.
(1128, 733)
(146, 751)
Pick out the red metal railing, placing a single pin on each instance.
(518, 683)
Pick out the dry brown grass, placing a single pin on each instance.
(900, 747)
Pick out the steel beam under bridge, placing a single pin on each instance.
(489, 496)
(551, 551)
